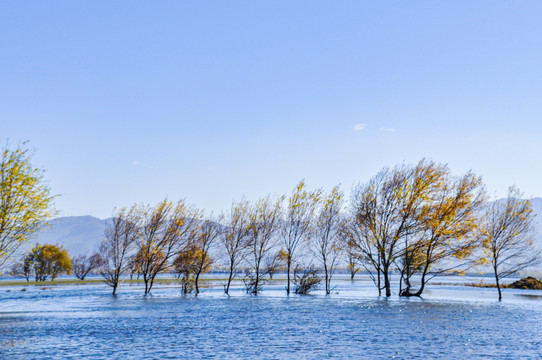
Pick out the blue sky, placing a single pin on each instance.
(211, 101)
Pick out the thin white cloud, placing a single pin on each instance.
(388, 129)
(359, 127)
(135, 162)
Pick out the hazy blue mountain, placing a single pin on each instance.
(78, 234)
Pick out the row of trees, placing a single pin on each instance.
(419, 220)
(149, 240)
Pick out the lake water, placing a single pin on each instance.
(85, 321)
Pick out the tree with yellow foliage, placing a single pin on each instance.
(196, 260)
(167, 229)
(25, 200)
(384, 211)
(49, 260)
(445, 235)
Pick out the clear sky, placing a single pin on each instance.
(210, 101)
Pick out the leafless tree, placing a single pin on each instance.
(326, 240)
(120, 237)
(351, 253)
(507, 232)
(206, 236)
(234, 238)
(361, 244)
(297, 223)
(166, 230)
(82, 265)
(264, 217)
(273, 263)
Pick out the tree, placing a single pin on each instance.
(447, 224)
(206, 236)
(264, 217)
(385, 210)
(48, 260)
(166, 230)
(507, 233)
(22, 268)
(273, 263)
(326, 239)
(352, 256)
(184, 266)
(25, 200)
(120, 237)
(196, 260)
(83, 265)
(234, 238)
(297, 223)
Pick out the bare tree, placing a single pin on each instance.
(361, 244)
(166, 230)
(507, 232)
(23, 268)
(273, 263)
(82, 265)
(326, 240)
(447, 222)
(352, 255)
(119, 240)
(234, 238)
(264, 217)
(297, 223)
(206, 236)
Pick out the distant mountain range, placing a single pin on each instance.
(82, 234)
(78, 234)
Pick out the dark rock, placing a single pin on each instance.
(527, 283)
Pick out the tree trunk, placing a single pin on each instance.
(327, 280)
(257, 282)
(387, 282)
(289, 261)
(196, 282)
(114, 289)
(378, 281)
(227, 289)
(497, 282)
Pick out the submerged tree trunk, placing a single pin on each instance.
(196, 282)
(227, 288)
(328, 290)
(497, 282)
(387, 284)
(289, 262)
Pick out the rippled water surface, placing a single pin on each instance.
(451, 321)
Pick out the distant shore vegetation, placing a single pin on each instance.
(419, 221)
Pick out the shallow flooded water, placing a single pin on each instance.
(85, 321)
